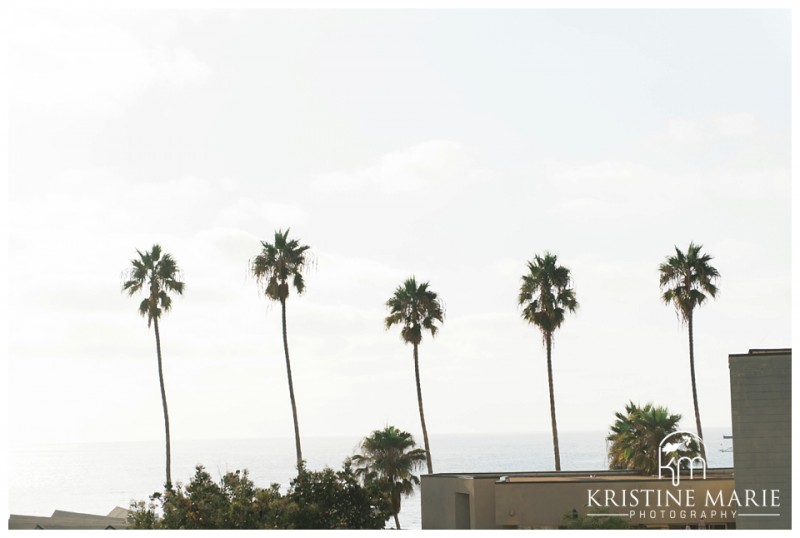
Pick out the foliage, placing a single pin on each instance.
(160, 274)
(330, 499)
(388, 461)
(415, 307)
(545, 294)
(324, 499)
(636, 435)
(279, 262)
(574, 520)
(686, 278)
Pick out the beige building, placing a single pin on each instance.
(541, 500)
(756, 493)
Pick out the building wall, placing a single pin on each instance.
(542, 505)
(761, 417)
(443, 497)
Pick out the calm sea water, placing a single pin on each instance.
(96, 477)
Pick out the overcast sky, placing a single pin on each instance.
(450, 145)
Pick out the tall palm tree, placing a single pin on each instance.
(157, 274)
(389, 458)
(275, 266)
(686, 279)
(636, 435)
(546, 296)
(416, 307)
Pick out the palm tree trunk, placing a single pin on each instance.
(422, 413)
(549, 341)
(291, 386)
(694, 386)
(163, 403)
(395, 502)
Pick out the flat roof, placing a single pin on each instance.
(761, 352)
(719, 474)
(574, 476)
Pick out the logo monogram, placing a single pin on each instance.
(679, 444)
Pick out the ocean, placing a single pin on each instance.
(96, 477)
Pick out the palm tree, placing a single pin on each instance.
(686, 279)
(545, 296)
(389, 458)
(278, 263)
(158, 274)
(636, 437)
(415, 307)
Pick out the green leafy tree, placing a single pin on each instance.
(315, 500)
(416, 308)
(157, 274)
(685, 279)
(545, 296)
(331, 499)
(635, 438)
(388, 460)
(277, 265)
(234, 503)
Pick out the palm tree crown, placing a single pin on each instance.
(545, 294)
(278, 263)
(160, 273)
(415, 307)
(686, 279)
(389, 458)
(636, 435)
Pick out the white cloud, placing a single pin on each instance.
(607, 189)
(77, 63)
(430, 165)
(248, 212)
(713, 128)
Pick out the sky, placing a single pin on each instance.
(450, 145)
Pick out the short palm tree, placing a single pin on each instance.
(546, 296)
(636, 435)
(686, 279)
(389, 458)
(279, 263)
(416, 308)
(157, 274)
